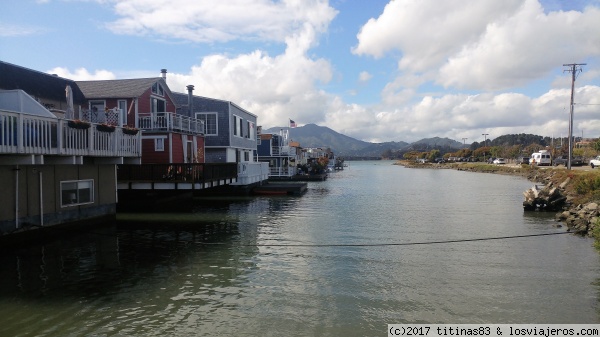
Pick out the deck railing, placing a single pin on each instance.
(285, 171)
(30, 134)
(283, 151)
(184, 172)
(168, 121)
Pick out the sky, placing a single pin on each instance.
(375, 70)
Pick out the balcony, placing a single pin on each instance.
(283, 151)
(34, 139)
(169, 121)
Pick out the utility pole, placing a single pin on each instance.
(574, 68)
(464, 144)
(484, 143)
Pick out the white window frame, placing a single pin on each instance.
(159, 144)
(76, 197)
(237, 129)
(157, 89)
(122, 105)
(203, 116)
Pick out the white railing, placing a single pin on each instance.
(252, 172)
(285, 171)
(168, 121)
(30, 134)
(283, 151)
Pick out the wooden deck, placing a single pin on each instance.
(280, 188)
(301, 177)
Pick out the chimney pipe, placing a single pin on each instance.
(163, 72)
(190, 89)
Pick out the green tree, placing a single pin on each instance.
(433, 154)
(596, 145)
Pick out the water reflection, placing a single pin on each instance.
(231, 265)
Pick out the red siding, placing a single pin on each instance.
(200, 152)
(177, 148)
(149, 156)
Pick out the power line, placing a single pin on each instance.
(388, 244)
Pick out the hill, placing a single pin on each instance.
(312, 135)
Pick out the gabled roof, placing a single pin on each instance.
(181, 100)
(126, 88)
(37, 84)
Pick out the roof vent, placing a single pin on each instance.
(163, 72)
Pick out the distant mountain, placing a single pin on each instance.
(312, 135)
(437, 142)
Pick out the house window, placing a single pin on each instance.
(250, 133)
(158, 105)
(76, 192)
(210, 122)
(246, 156)
(159, 144)
(237, 127)
(157, 89)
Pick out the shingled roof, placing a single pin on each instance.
(126, 88)
(37, 83)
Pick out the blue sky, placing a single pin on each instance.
(374, 70)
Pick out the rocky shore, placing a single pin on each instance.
(552, 191)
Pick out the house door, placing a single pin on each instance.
(97, 112)
(158, 105)
(123, 113)
(190, 152)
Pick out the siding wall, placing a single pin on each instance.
(103, 176)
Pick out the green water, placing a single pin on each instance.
(372, 245)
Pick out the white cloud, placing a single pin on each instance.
(480, 45)
(82, 74)
(220, 21)
(10, 30)
(364, 76)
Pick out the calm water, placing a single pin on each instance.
(346, 258)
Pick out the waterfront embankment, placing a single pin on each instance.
(580, 187)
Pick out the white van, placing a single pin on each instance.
(541, 158)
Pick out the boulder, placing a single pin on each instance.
(546, 198)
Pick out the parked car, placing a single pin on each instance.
(577, 161)
(562, 160)
(523, 160)
(595, 162)
(498, 161)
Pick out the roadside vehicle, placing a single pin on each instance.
(499, 161)
(541, 158)
(595, 162)
(562, 160)
(523, 160)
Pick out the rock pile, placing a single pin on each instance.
(580, 219)
(547, 198)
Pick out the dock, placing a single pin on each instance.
(280, 188)
(300, 177)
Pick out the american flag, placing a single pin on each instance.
(292, 124)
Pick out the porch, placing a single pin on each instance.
(184, 176)
(170, 121)
(33, 140)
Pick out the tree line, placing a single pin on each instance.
(506, 146)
